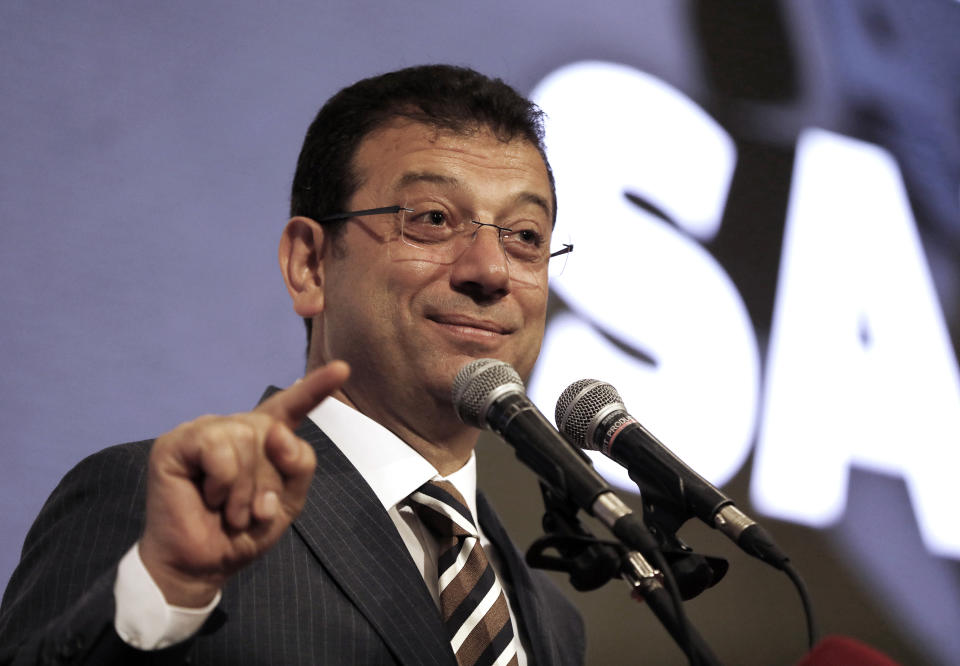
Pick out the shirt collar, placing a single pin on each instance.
(388, 464)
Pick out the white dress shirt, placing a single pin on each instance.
(391, 468)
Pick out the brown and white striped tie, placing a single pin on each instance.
(472, 603)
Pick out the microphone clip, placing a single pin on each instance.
(591, 562)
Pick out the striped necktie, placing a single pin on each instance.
(472, 603)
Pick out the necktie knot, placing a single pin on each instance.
(443, 510)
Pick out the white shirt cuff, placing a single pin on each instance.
(143, 618)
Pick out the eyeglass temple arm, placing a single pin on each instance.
(369, 211)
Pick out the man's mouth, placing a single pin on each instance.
(468, 322)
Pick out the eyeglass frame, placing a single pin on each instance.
(336, 217)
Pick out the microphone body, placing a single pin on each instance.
(524, 427)
(489, 393)
(653, 465)
(591, 414)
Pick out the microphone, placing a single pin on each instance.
(591, 414)
(488, 393)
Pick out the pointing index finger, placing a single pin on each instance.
(291, 405)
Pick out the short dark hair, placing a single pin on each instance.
(446, 97)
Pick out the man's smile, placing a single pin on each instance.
(468, 322)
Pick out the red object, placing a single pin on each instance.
(844, 651)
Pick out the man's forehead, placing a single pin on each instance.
(404, 152)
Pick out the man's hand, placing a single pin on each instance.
(222, 489)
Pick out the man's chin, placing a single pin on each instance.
(524, 369)
(442, 377)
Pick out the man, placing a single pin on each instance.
(422, 209)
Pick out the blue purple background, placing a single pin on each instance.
(147, 155)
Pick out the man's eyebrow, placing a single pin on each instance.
(414, 177)
(536, 200)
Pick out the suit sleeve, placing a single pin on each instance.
(58, 607)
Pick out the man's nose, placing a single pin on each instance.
(482, 270)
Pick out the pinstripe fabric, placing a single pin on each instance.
(58, 606)
(370, 561)
(338, 588)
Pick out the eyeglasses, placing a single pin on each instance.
(444, 236)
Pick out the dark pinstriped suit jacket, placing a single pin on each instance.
(338, 588)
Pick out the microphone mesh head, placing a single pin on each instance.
(476, 386)
(579, 405)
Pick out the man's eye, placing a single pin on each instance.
(436, 218)
(529, 237)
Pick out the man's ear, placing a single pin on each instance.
(302, 249)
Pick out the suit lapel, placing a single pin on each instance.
(345, 526)
(524, 593)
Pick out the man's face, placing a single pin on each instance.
(406, 321)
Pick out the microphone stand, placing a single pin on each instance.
(664, 516)
(591, 563)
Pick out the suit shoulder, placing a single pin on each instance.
(90, 519)
(114, 471)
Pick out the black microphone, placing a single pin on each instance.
(591, 414)
(488, 393)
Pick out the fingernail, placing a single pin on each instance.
(269, 504)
